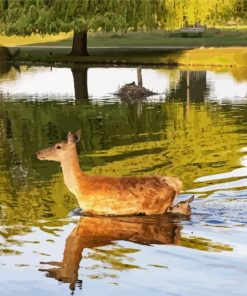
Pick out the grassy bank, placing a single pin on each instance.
(37, 38)
(212, 49)
(227, 57)
(211, 37)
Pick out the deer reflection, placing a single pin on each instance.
(92, 232)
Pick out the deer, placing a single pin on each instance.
(113, 196)
(93, 232)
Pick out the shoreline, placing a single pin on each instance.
(212, 56)
(142, 56)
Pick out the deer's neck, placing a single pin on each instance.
(72, 173)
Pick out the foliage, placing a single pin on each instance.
(211, 13)
(51, 17)
(164, 139)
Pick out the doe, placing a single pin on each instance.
(104, 195)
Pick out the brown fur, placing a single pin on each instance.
(103, 195)
(92, 232)
(182, 208)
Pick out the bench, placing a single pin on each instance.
(192, 31)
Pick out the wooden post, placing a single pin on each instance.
(139, 76)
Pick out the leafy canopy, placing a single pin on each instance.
(54, 16)
(24, 17)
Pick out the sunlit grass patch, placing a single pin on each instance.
(34, 38)
(213, 56)
(232, 56)
(225, 36)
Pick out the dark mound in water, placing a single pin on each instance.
(131, 91)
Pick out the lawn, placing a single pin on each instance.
(215, 48)
(212, 37)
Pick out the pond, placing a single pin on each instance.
(195, 128)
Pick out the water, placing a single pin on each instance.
(197, 133)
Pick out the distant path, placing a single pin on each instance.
(107, 47)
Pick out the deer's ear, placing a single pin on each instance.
(74, 138)
(77, 136)
(190, 199)
(70, 137)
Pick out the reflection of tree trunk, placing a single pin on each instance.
(139, 76)
(80, 83)
(79, 47)
(192, 82)
(139, 109)
(5, 67)
(188, 78)
(188, 94)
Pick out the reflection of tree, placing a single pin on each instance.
(115, 142)
(193, 82)
(239, 73)
(182, 143)
(80, 83)
(8, 70)
(33, 190)
(5, 54)
(92, 232)
(4, 68)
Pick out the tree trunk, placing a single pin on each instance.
(79, 47)
(139, 76)
(80, 83)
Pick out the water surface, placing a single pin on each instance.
(195, 128)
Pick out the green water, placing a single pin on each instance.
(198, 133)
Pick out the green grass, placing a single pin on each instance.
(28, 40)
(214, 48)
(227, 57)
(212, 37)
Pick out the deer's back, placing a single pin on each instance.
(126, 195)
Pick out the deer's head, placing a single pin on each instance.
(182, 208)
(60, 151)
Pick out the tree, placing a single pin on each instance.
(25, 17)
(180, 13)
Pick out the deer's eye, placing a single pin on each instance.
(58, 147)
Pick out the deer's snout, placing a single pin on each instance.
(39, 155)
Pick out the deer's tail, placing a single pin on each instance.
(174, 182)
